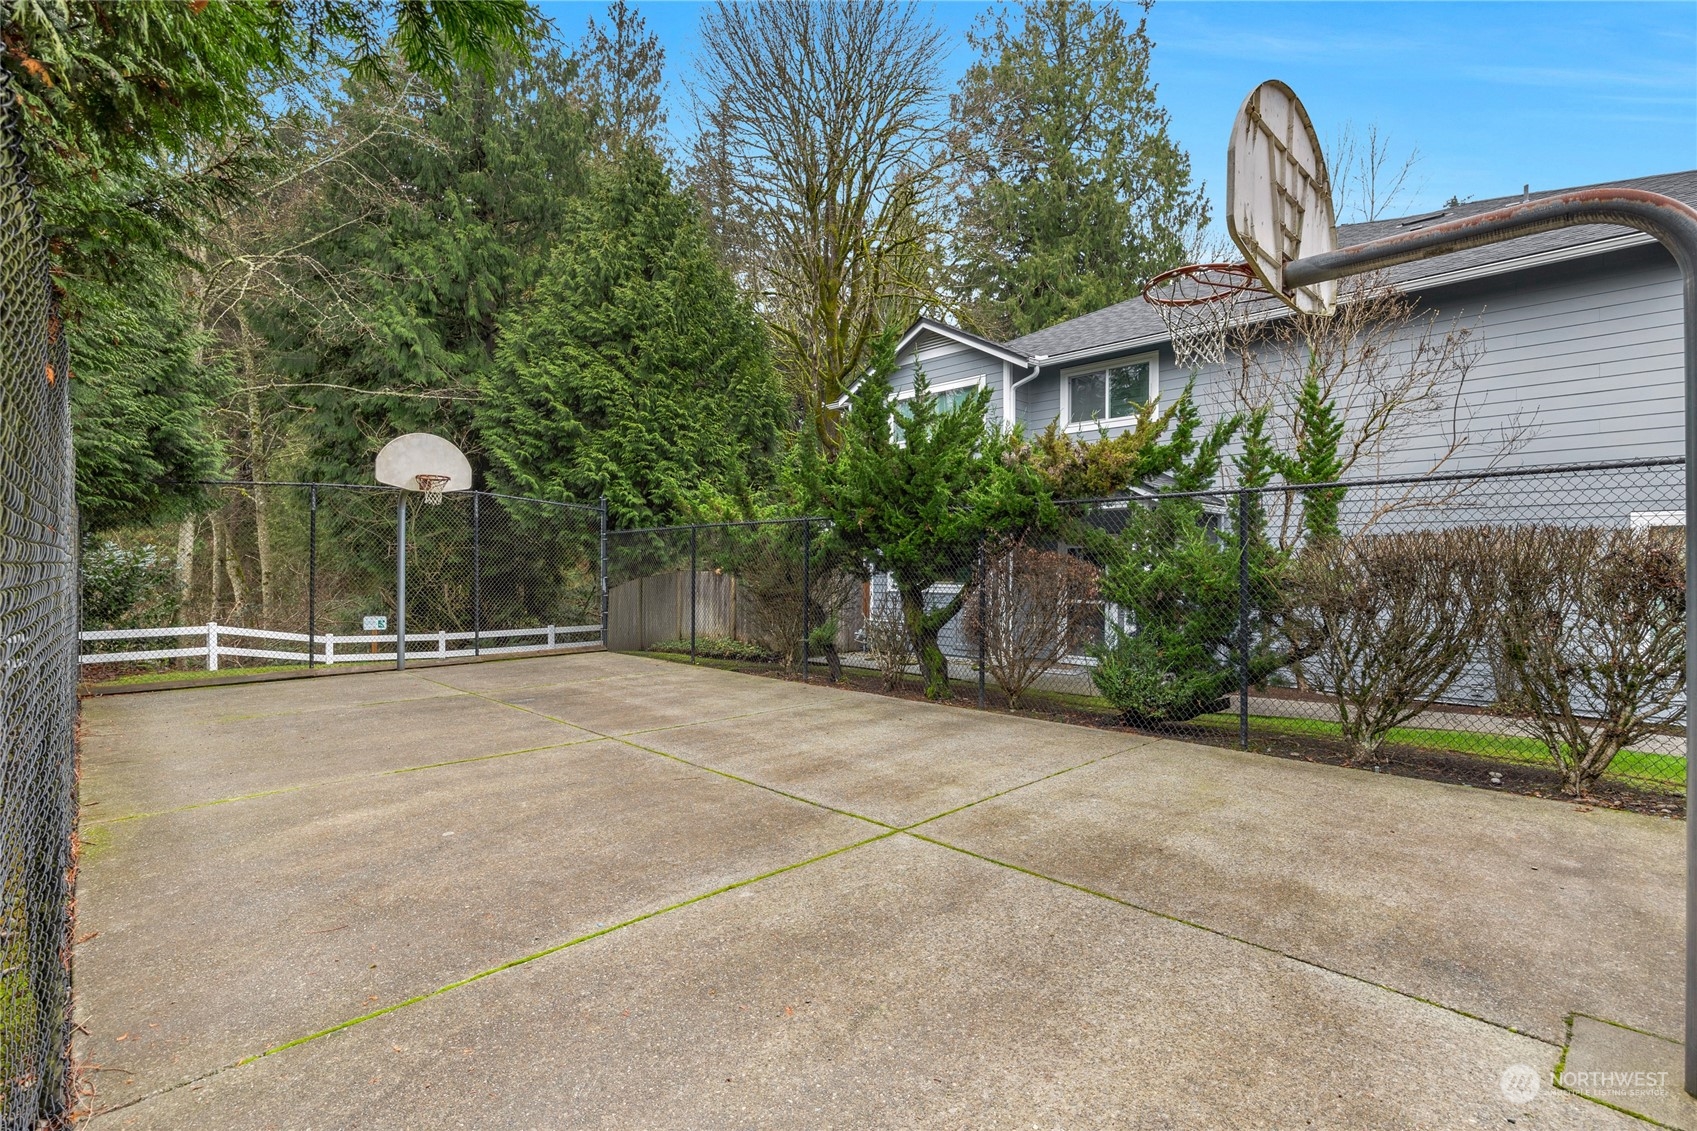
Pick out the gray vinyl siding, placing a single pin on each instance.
(1588, 354)
(1038, 401)
(1584, 358)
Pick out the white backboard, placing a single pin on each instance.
(1278, 193)
(405, 458)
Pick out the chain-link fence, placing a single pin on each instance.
(1526, 623)
(288, 575)
(37, 663)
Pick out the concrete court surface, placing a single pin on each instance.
(607, 891)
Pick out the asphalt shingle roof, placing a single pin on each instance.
(1136, 321)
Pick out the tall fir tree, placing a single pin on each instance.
(621, 79)
(1072, 192)
(633, 369)
(149, 121)
(419, 240)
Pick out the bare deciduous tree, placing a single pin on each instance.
(1368, 179)
(1038, 607)
(888, 641)
(1389, 622)
(821, 144)
(1590, 641)
(1397, 375)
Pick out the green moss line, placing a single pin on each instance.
(1028, 784)
(1227, 935)
(336, 781)
(555, 949)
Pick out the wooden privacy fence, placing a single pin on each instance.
(654, 609)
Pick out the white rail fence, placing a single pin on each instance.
(355, 647)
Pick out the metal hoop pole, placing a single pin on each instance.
(476, 574)
(401, 584)
(1674, 224)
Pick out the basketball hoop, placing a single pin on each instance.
(431, 487)
(1197, 302)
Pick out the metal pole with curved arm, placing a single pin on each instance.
(1675, 225)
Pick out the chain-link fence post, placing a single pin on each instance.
(401, 583)
(806, 595)
(312, 577)
(1243, 618)
(983, 621)
(694, 579)
(603, 571)
(39, 620)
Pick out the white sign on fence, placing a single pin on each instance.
(376, 624)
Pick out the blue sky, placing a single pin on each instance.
(1494, 95)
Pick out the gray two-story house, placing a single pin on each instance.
(1576, 342)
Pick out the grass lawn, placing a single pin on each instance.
(224, 673)
(1640, 767)
(1662, 773)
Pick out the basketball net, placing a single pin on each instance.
(1199, 303)
(431, 487)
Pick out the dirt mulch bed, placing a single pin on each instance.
(1403, 761)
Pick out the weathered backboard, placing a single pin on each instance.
(405, 458)
(1278, 193)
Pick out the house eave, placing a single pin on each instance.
(955, 334)
(1620, 242)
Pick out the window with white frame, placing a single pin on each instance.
(1109, 393)
(947, 398)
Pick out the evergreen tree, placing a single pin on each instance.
(633, 369)
(1316, 457)
(917, 505)
(148, 121)
(621, 79)
(1173, 571)
(1073, 193)
(142, 401)
(419, 240)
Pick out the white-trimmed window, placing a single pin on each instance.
(946, 396)
(1108, 394)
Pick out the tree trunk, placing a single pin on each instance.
(924, 627)
(214, 564)
(232, 568)
(262, 539)
(257, 463)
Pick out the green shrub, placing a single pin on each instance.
(127, 586)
